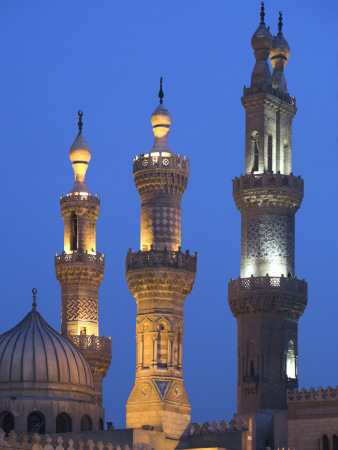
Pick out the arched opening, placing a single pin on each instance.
(7, 421)
(73, 241)
(63, 423)
(335, 442)
(36, 423)
(325, 443)
(255, 151)
(270, 153)
(291, 369)
(101, 425)
(86, 423)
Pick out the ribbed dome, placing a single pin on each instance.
(33, 351)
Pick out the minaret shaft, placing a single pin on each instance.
(160, 276)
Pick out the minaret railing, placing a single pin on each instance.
(268, 180)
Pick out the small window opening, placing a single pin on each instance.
(83, 331)
(74, 232)
(36, 423)
(270, 153)
(326, 443)
(7, 422)
(335, 442)
(63, 423)
(255, 151)
(86, 423)
(252, 369)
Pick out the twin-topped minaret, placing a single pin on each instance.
(79, 269)
(267, 299)
(160, 276)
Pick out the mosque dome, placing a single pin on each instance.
(33, 352)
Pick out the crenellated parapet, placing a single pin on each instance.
(274, 294)
(321, 394)
(161, 160)
(161, 258)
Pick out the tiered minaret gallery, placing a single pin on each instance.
(268, 299)
(79, 269)
(160, 276)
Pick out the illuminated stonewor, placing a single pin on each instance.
(267, 299)
(160, 276)
(79, 269)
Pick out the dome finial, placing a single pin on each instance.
(34, 290)
(80, 124)
(160, 94)
(262, 14)
(280, 23)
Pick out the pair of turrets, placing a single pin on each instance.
(265, 45)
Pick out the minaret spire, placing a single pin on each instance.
(80, 123)
(160, 94)
(280, 23)
(262, 14)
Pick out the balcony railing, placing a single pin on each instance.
(160, 160)
(80, 257)
(268, 284)
(161, 258)
(80, 198)
(93, 343)
(268, 180)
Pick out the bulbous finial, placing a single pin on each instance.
(80, 155)
(262, 14)
(80, 124)
(160, 94)
(34, 291)
(280, 23)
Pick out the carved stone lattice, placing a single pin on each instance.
(82, 309)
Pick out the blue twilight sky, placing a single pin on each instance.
(106, 57)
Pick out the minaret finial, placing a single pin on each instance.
(34, 290)
(280, 23)
(262, 14)
(160, 94)
(80, 124)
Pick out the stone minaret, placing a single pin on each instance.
(79, 269)
(268, 299)
(160, 276)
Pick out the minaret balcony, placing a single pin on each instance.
(80, 197)
(160, 160)
(98, 344)
(77, 256)
(280, 294)
(161, 259)
(268, 189)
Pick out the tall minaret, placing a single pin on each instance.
(79, 269)
(268, 299)
(160, 276)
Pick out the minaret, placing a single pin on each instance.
(268, 299)
(79, 269)
(160, 276)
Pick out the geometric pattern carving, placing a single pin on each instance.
(270, 237)
(82, 309)
(160, 223)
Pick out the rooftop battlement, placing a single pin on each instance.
(316, 395)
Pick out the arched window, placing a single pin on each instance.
(86, 423)
(63, 423)
(36, 423)
(291, 369)
(7, 421)
(335, 442)
(73, 241)
(101, 425)
(270, 153)
(325, 443)
(255, 150)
